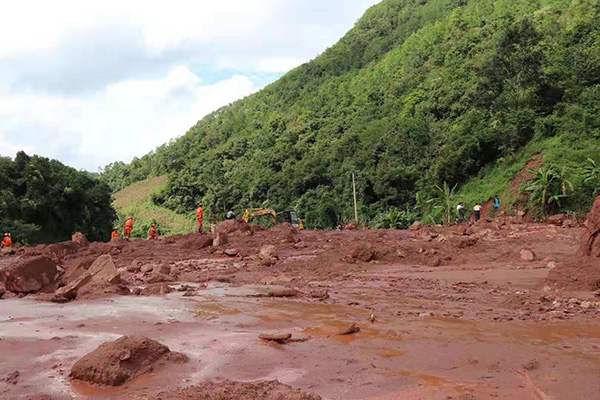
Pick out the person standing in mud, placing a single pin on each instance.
(7, 242)
(200, 217)
(496, 205)
(460, 212)
(128, 227)
(477, 211)
(152, 234)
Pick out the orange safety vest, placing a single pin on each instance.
(153, 234)
(7, 242)
(114, 235)
(199, 213)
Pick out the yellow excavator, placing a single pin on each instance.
(290, 216)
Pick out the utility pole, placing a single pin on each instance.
(355, 206)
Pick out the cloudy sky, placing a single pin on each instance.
(89, 83)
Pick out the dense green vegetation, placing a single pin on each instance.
(418, 95)
(136, 201)
(44, 201)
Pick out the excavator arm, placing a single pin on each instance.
(255, 212)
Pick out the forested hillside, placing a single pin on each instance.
(44, 201)
(419, 93)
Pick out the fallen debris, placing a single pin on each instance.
(115, 363)
(275, 337)
(353, 328)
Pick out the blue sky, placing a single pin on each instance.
(90, 83)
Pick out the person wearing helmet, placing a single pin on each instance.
(152, 234)
(200, 217)
(7, 242)
(128, 227)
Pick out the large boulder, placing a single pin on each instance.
(80, 239)
(69, 291)
(100, 289)
(232, 228)
(590, 244)
(157, 289)
(220, 239)
(197, 242)
(58, 251)
(268, 254)
(104, 270)
(115, 363)
(30, 275)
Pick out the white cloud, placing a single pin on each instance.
(94, 82)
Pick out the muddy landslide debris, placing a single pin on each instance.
(351, 329)
(228, 390)
(30, 275)
(275, 337)
(115, 363)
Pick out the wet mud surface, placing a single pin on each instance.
(483, 324)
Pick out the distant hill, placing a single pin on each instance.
(136, 201)
(417, 94)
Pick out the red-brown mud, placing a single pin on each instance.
(443, 313)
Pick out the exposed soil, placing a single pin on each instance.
(114, 363)
(493, 310)
(264, 390)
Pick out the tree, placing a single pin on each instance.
(446, 201)
(546, 188)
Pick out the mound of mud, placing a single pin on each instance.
(196, 242)
(114, 363)
(590, 243)
(583, 274)
(30, 275)
(262, 390)
(232, 228)
(100, 290)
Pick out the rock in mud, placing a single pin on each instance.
(29, 275)
(70, 290)
(157, 289)
(351, 329)
(100, 290)
(162, 269)
(157, 277)
(104, 270)
(284, 293)
(590, 244)
(220, 239)
(319, 294)
(527, 255)
(237, 227)
(80, 239)
(416, 226)
(466, 241)
(115, 363)
(197, 242)
(135, 266)
(268, 252)
(363, 252)
(58, 251)
(352, 226)
(2, 291)
(557, 219)
(275, 337)
(227, 390)
(232, 252)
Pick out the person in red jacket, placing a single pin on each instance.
(200, 217)
(7, 242)
(152, 234)
(115, 234)
(128, 227)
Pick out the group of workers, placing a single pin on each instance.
(153, 233)
(461, 210)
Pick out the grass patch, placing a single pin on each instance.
(135, 201)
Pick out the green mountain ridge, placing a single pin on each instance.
(417, 94)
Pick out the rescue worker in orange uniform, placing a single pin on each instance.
(7, 242)
(115, 234)
(200, 217)
(128, 227)
(152, 235)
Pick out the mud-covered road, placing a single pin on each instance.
(444, 313)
